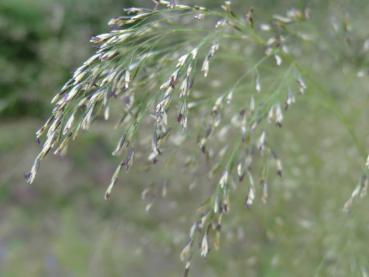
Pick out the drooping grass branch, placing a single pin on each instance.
(161, 64)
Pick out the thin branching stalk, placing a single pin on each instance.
(160, 64)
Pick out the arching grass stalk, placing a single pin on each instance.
(160, 64)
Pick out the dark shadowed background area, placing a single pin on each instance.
(62, 226)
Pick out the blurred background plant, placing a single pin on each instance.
(61, 226)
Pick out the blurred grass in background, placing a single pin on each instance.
(61, 226)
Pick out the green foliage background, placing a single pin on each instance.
(61, 226)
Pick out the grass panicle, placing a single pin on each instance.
(158, 62)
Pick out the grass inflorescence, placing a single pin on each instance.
(158, 62)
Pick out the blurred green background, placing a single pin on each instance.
(61, 226)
